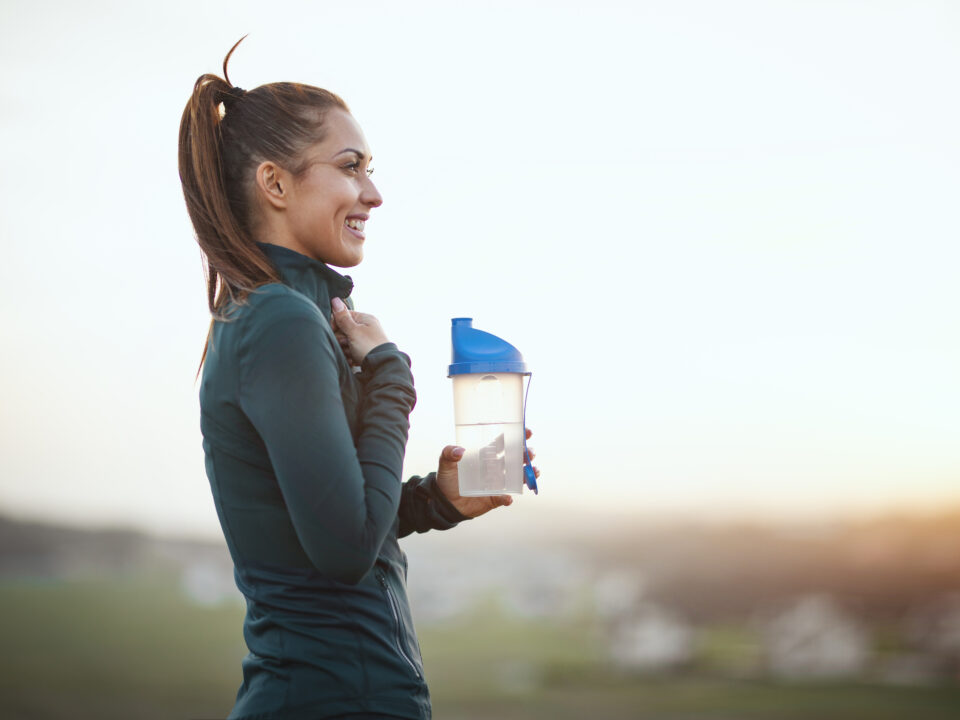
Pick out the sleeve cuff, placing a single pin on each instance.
(441, 505)
(444, 506)
(377, 354)
(381, 356)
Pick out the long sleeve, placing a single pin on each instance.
(342, 498)
(423, 507)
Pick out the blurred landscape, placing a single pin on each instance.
(723, 235)
(856, 619)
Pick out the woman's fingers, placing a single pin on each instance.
(361, 330)
(530, 455)
(344, 342)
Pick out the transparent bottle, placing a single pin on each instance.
(488, 408)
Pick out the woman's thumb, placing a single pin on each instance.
(339, 308)
(451, 454)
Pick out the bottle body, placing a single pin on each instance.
(488, 413)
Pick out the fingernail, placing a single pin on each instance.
(338, 305)
(458, 452)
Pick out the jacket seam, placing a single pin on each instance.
(217, 442)
(227, 528)
(243, 342)
(361, 651)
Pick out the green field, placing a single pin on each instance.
(137, 649)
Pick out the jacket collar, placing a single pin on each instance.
(317, 280)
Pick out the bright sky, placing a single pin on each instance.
(724, 236)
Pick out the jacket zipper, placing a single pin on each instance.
(396, 619)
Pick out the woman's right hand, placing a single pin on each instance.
(357, 332)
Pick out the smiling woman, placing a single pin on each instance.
(304, 456)
(321, 211)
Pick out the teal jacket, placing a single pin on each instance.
(304, 458)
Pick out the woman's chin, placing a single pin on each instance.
(348, 260)
(347, 255)
(350, 253)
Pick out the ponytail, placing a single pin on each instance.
(225, 132)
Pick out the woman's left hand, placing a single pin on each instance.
(448, 480)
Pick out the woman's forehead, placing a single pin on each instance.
(341, 132)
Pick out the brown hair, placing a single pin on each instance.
(220, 149)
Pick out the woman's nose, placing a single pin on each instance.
(370, 195)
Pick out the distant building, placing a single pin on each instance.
(814, 639)
(547, 584)
(934, 631)
(208, 582)
(616, 593)
(650, 638)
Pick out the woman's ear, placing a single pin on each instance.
(272, 184)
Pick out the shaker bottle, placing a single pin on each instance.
(488, 408)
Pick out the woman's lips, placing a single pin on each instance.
(355, 227)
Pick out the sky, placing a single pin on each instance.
(723, 235)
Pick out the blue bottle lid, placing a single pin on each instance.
(476, 351)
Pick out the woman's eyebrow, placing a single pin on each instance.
(346, 150)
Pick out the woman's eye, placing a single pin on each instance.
(354, 169)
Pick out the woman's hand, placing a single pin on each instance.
(358, 333)
(448, 480)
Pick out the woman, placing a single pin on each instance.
(304, 454)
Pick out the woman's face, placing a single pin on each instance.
(331, 201)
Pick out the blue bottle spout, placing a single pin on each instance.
(476, 351)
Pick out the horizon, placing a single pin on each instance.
(499, 524)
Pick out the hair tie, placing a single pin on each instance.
(228, 97)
